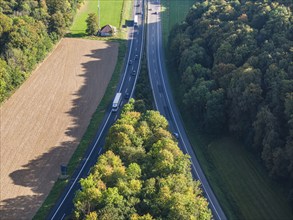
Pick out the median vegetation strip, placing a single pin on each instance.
(142, 175)
(123, 12)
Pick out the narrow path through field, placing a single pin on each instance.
(43, 122)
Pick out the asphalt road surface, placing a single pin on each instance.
(64, 206)
(165, 103)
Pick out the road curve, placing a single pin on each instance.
(64, 207)
(165, 103)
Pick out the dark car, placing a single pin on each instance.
(176, 135)
(136, 56)
(130, 62)
(127, 95)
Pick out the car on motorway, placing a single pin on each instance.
(133, 72)
(136, 56)
(130, 62)
(176, 135)
(155, 13)
(127, 95)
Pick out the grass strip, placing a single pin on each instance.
(125, 13)
(87, 138)
(237, 177)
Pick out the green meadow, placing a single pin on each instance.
(111, 12)
(238, 179)
(173, 11)
(115, 13)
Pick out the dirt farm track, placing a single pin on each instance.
(43, 121)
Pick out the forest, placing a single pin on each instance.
(142, 174)
(28, 31)
(235, 64)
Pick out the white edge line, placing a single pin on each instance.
(126, 68)
(98, 137)
(211, 202)
(142, 43)
(82, 167)
(149, 66)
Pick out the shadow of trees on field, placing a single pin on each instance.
(39, 174)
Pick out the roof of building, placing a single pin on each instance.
(106, 29)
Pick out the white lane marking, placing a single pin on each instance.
(129, 78)
(81, 167)
(98, 136)
(115, 117)
(127, 62)
(148, 62)
(63, 216)
(141, 46)
(100, 151)
(211, 202)
(88, 172)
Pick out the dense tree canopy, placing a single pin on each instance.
(28, 29)
(235, 62)
(142, 175)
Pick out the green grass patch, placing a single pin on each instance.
(237, 177)
(173, 11)
(113, 12)
(254, 194)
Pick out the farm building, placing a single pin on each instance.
(107, 31)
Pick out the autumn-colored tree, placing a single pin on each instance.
(148, 177)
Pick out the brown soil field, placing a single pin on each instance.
(42, 123)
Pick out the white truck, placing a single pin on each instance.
(135, 20)
(116, 102)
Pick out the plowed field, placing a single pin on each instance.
(43, 122)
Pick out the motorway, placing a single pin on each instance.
(165, 103)
(64, 206)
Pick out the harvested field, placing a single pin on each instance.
(43, 122)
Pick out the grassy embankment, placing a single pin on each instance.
(123, 12)
(237, 177)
